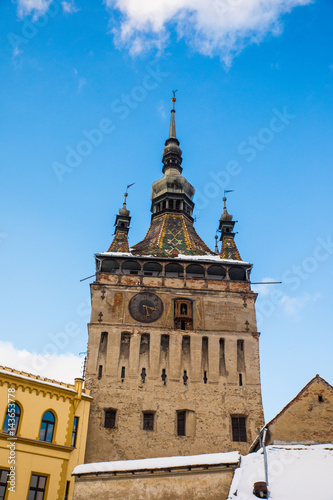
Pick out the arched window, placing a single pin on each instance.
(47, 427)
(195, 271)
(174, 270)
(237, 274)
(109, 266)
(152, 269)
(12, 419)
(216, 272)
(131, 267)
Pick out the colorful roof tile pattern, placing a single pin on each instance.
(229, 249)
(170, 235)
(120, 243)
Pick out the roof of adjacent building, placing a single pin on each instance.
(230, 458)
(317, 378)
(295, 472)
(30, 377)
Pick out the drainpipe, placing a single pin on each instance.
(262, 444)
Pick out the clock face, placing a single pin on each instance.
(145, 307)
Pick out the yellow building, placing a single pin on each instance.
(43, 435)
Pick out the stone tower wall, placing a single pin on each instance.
(221, 310)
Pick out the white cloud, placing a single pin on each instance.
(272, 298)
(61, 367)
(212, 27)
(292, 306)
(37, 7)
(69, 7)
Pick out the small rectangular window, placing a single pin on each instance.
(240, 379)
(67, 490)
(100, 371)
(181, 417)
(148, 421)
(74, 432)
(3, 483)
(110, 418)
(37, 487)
(239, 429)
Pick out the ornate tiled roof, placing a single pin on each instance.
(120, 243)
(170, 235)
(229, 249)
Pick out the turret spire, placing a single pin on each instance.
(123, 219)
(229, 249)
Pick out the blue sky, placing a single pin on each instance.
(254, 114)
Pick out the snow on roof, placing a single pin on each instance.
(159, 463)
(295, 472)
(4, 370)
(208, 258)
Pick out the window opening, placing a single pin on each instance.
(110, 418)
(74, 432)
(47, 427)
(37, 487)
(122, 373)
(67, 490)
(143, 375)
(12, 419)
(240, 379)
(185, 377)
(320, 398)
(181, 415)
(238, 429)
(148, 421)
(3, 483)
(100, 371)
(164, 376)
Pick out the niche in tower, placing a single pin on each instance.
(144, 350)
(183, 314)
(240, 356)
(164, 351)
(186, 354)
(222, 368)
(204, 358)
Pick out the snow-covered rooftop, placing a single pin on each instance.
(159, 463)
(4, 370)
(207, 258)
(295, 472)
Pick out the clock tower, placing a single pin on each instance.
(173, 354)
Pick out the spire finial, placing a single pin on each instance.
(216, 247)
(173, 100)
(172, 131)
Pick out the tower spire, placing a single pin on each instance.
(172, 130)
(172, 154)
(229, 249)
(123, 219)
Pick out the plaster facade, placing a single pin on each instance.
(307, 419)
(210, 484)
(23, 452)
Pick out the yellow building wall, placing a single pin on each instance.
(55, 460)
